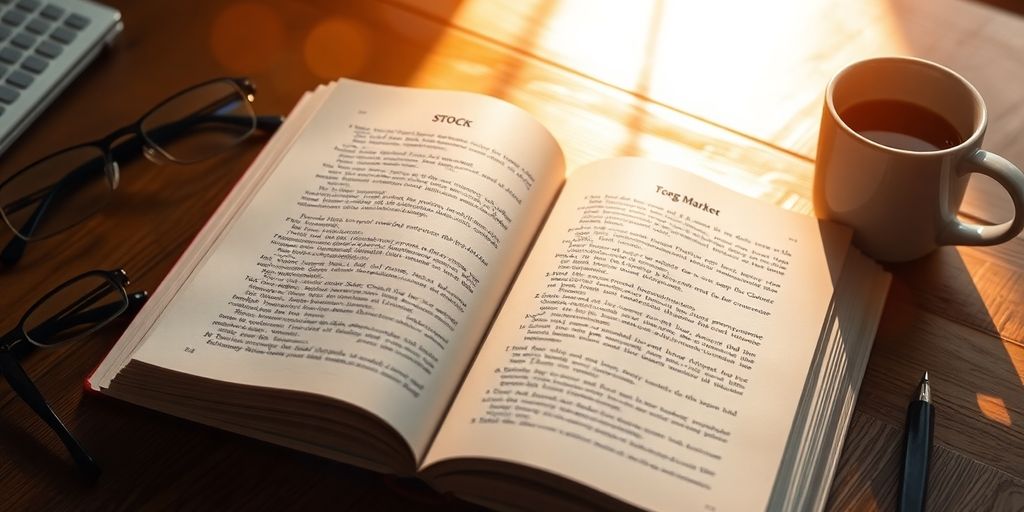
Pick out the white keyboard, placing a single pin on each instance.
(44, 44)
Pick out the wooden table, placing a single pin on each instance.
(725, 89)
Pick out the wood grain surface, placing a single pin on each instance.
(957, 313)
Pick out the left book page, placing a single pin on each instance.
(369, 263)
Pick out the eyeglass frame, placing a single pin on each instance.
(138, 141)
(18, 342)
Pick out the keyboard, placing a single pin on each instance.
(44, 44)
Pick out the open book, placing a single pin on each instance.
(406, 280)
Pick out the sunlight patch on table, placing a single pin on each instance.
(994, 409)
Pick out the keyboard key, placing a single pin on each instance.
(52, 12)
(14, 17)
(77, 21)
(3, 71)
(29, 5)
(8, 95)
(5, 32)
(10, 55)
(24, 41)
(34, 64)
(48, 49)
(63, 35)
(20, 79)
(38, 26)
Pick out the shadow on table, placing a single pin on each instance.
(938, 318)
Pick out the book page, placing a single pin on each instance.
(368, 265)
(656, 343)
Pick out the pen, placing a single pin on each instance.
(917, 449)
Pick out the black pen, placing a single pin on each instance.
(917, 449)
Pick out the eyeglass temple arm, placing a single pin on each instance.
(15, 248)
(28, 391)
(136, 300)
(57, 324)
(269, 124)
(171, 130)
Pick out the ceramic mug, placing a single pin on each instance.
(899, 140)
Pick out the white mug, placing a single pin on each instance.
(900, 192)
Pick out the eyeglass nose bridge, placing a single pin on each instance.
(112, 170)
(154, 155)
(111, 167)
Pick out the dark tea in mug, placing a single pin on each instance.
(901, 125)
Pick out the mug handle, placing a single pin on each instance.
(1012, 179)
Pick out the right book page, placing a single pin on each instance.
(656, 343)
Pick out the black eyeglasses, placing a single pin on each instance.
(69, 312)
(61, 190)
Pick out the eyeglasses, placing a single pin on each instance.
(61, 190)
(69, 312)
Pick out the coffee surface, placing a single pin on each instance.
(901, 125)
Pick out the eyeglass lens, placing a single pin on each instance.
(76, 309)
(56, 193)
(200, 122)
(60, 191)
